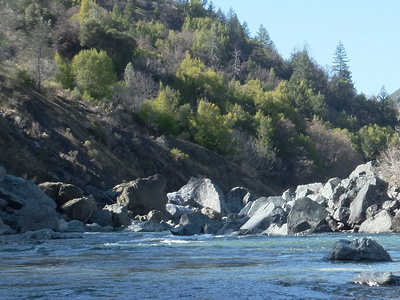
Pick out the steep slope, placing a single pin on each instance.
(63, 139)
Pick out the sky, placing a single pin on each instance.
(368, 29)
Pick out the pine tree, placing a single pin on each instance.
(340, 64)
(343, 90)
(262, 37)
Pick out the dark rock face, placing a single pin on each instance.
(25, 207)
(61, 192)
(191, 224)
(364, 249)
(79, 209)
(2, 173)
(119, 215)
(144, 195)
(237, 198)
(305, 214)
(376, 279)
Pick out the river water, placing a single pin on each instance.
(127, 265)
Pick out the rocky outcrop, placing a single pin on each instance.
(376, 279)
(143, 195)
(362, 249)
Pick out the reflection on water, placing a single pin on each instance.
(127, 265)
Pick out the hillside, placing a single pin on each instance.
(99, 92)
(61, 139)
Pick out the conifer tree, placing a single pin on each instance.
(343, 90)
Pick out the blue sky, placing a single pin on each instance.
(368, 29)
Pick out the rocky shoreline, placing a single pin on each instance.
(363, 202)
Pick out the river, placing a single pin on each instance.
(127, 265)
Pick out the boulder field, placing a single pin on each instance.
(363, 202)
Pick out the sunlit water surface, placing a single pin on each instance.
(126, 265)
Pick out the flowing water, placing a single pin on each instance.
(127, 265)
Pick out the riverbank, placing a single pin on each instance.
(363, 203)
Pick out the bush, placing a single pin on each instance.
(177, 155)
(94, 73)
(389, 164)
(372, 139)
(161, 112)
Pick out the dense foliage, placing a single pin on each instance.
(193, 72)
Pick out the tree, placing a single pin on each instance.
(340, 66)
(343, 91)
(196, 81)
(334, 148)
(161, 111)
(94, 73)
(138, 87)
(211, 129)
(63, 73)
(306, 69)
(38, 52)
(262, 37)
(386, 108)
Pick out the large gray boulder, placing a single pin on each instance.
(191, 224)
(367, 169)
(79, 209)
(237, 198)
(380, 223)
(101, 217)
(202, 193)
(396, 222)
(177, 211)
(308, 189)
(119, 215)
(254, 206)
(264, 217)
(362, 249)
(28, 208)
(61, 192)
(143, 195)
(376, 279)
(306, 215)
(372, 192)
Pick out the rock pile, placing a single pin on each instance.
(359, 203)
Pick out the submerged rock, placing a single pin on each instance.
(363, 249)
(376, 279)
